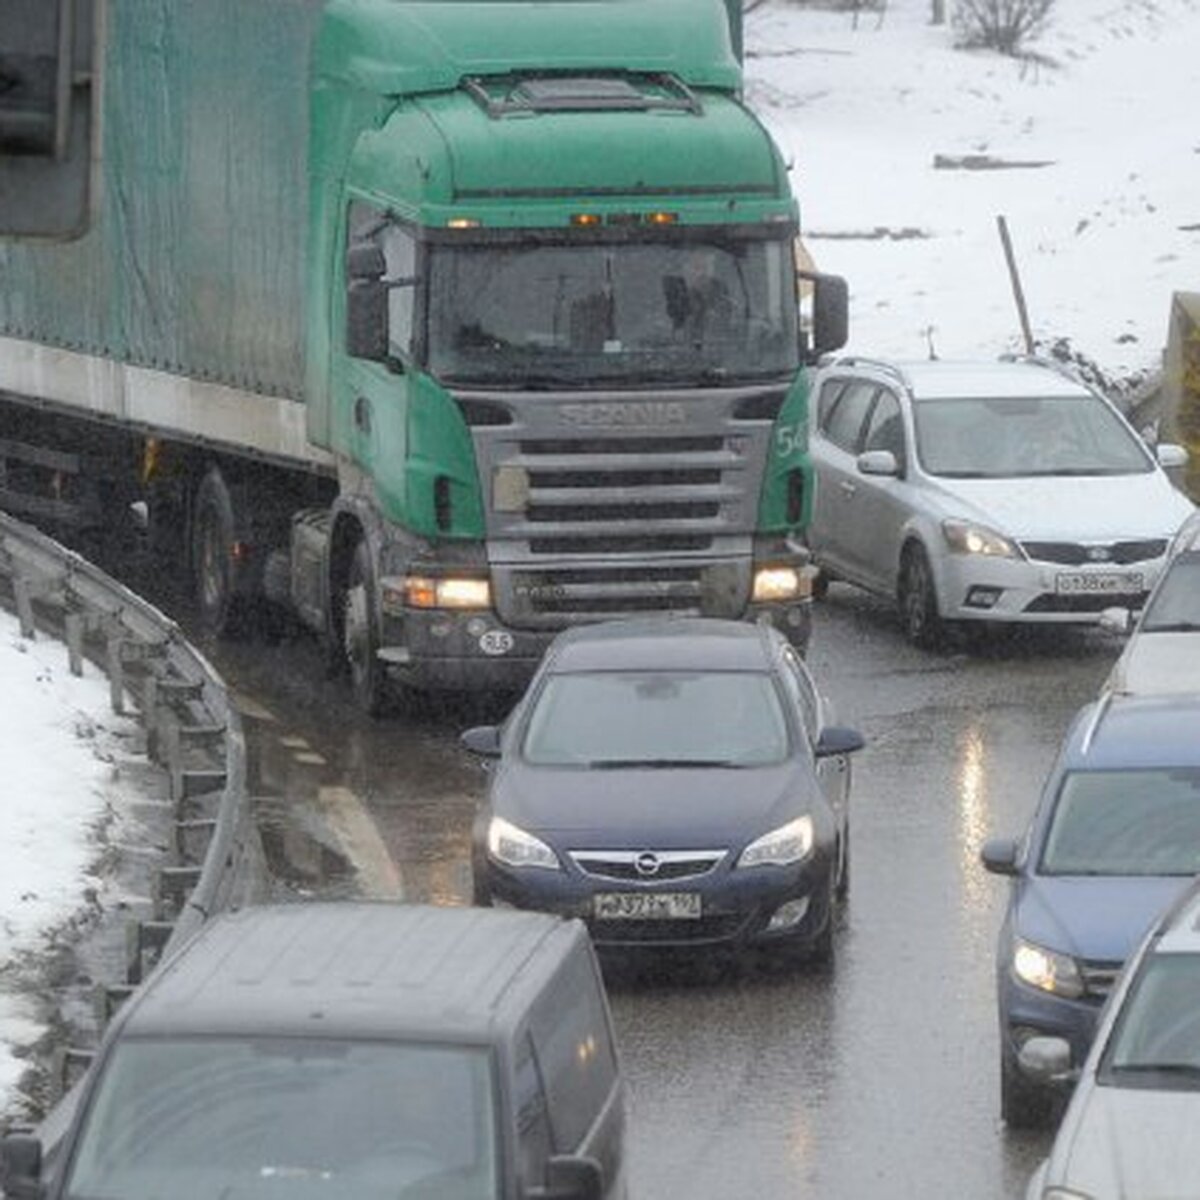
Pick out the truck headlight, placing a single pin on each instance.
(1046, 970)
(965, 537)
(428, 591)
(508, 844)
(790, 843)
(781, 583)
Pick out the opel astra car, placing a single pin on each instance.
(1163, 652)
(1115, 838)
(985, 492)
(1130, 1129)
(673, 783)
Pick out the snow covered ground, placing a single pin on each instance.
(1104, 231)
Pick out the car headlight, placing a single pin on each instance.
(516, 848)
(1046, 970)
(421, 591)
(965, 537)
(790, 843)
(781, 583)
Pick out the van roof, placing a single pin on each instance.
(352, 969)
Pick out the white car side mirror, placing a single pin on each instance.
(1171, 456)
(878, 462)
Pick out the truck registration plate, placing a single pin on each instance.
(646, 906)
(1081, 583)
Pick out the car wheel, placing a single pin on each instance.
(917, 601)
(820, 584)
(820, 949)
(1023, 1105)
(360, 635)
(843, 882)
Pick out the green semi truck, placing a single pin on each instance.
(443, 323)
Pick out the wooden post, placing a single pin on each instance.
(1015, 280)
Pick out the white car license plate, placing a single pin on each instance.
(1079, 583)
(646, 906)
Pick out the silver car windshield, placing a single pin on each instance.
(1143, 822)
(1009, 437)
(657, 718)
(197, 1119)
(1156, 1041)
(1175, 605)
(572, 315)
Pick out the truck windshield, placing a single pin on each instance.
(576, 315)
(244, 1117)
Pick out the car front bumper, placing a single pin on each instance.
(1027, 1012)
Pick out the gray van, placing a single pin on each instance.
(353, 1049)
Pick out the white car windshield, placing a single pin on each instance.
(206, 1117)
(1142, 822)
(1156, 1041)
(1003, 438)
(657, 718)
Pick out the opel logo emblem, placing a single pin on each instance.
(1098, 553)
(646, 863)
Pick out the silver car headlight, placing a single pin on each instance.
(790, 843)
(508, 844)
(966, 537)
(1046, 970)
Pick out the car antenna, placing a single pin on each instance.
(929, 342)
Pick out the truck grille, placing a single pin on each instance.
(603, 505)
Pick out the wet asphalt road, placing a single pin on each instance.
(879, 1077)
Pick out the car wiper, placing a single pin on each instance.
(609, 764)
(1173, 627)
(1191, 1070)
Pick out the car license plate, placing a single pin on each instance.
(1080, 583)
(646, 906)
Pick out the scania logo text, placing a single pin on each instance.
(653, 413)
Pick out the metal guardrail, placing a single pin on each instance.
(191, 729)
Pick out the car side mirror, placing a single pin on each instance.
(999, 855)
(838, 739)
(366, 302)
(21, 1167)
(1115, 620)
(830, 313)
(1048, 1059)
(571, 1177)
(878, 462)
(1171, 456)
(483, 740)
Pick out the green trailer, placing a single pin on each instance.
(444, 323)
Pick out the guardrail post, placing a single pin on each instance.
(23, 593)
(116, 675)
(75, 626)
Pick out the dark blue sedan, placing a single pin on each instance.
(673, 783)
(1115, 838)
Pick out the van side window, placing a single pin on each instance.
(574, 1048)
(534, 1144)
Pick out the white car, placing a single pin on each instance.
(1163, 653)
(985, 492)
(1130, 1128)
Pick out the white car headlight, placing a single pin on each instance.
(790, 843)
(965, 537)
(516, 848)
(1046, 970)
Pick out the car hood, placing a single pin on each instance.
(1159, 662)
(1132, 1142)
(1074, 508)
(685, 808)
(1099, 919)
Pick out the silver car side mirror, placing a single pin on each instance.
(878, 462)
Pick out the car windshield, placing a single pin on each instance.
(1138, 822)
(1175, 605)
(198, 1119)
(657, 718)
(576, 315)
(1007, 438)
(1156, 1040)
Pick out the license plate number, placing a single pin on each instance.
(646, 906)
(1097, 582)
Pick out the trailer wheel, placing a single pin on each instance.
(212, 554)
(360, 634)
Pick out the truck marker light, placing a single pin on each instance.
(586, 219)
(463, 223)
(662, 218)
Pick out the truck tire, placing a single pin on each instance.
(212, 544)
(360, 634)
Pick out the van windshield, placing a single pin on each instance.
(301, 1117)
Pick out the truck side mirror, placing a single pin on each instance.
(366, 302)
(830, 314)
(21, 1167)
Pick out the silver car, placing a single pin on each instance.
(985, 492)
(1130, 1128)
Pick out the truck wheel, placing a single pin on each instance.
(360, 634)
(917, 601)
(212, 554)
